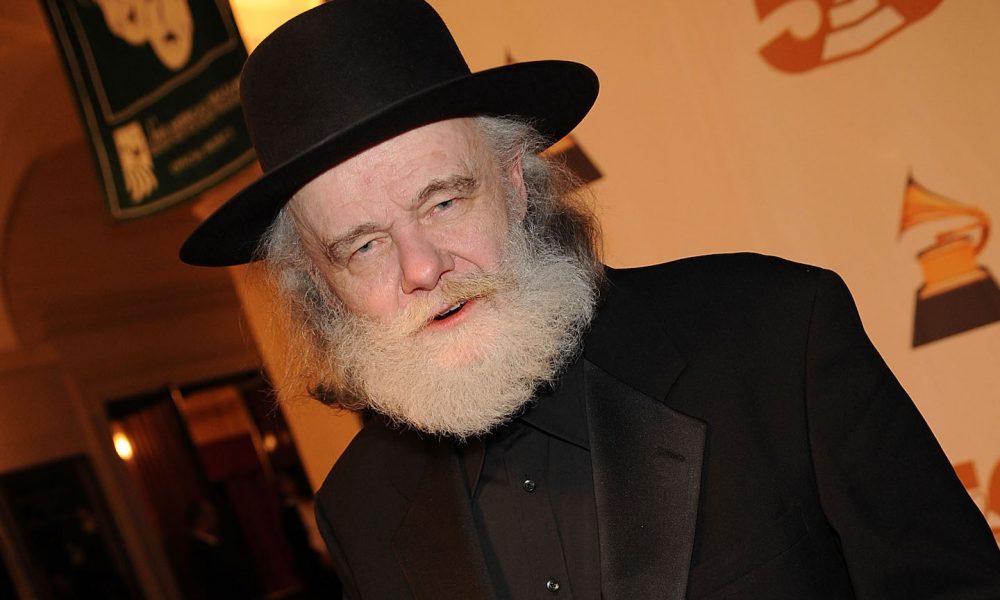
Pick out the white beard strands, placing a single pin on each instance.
(528, 323)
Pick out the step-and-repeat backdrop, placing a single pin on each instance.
(860, 135)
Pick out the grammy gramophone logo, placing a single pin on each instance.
(958, 293)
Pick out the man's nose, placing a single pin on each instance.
(422, 263)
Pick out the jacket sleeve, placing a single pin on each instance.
(350, 590)
(907, 527)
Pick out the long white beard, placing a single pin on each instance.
(527, 324)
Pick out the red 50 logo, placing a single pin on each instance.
(811, 33)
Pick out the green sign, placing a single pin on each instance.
(157, 82)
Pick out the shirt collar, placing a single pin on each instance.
(556, 410)
(559, 410)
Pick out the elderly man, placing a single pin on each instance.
(540, 425)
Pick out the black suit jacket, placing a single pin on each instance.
(746, 439)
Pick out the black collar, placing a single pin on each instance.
(556, 410)
(559, 410)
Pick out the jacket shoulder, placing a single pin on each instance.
(718, 272)
(361, 504)
(378, 459)
(733, 300)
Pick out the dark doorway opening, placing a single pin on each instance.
(218, 470)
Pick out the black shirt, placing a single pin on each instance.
(532, 497)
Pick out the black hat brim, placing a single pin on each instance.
(553, 95)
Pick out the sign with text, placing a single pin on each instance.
(157, 82)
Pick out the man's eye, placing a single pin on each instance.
(445, 205)
(365, 248)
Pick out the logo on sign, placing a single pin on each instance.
(136, 161)
(958, 293)
(166, 25)
(805, 34)
(986, 497)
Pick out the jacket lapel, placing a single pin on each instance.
(646, 456)
(647, 472)
(436, 545)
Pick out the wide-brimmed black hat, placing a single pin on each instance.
(350, 74)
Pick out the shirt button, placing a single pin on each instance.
(529, 486)
(552, 585)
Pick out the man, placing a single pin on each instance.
(541, 425)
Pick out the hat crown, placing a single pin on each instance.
(336, 65)
(350, 74)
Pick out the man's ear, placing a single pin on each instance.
(519, 199)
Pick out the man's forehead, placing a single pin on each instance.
(402, 173)
(427, 151)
